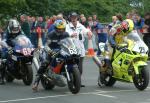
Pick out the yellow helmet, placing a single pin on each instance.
(130, 24)
(60, 24)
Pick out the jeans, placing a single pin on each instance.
(102, 37)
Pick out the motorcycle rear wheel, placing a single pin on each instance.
(142, 80)
(47, 85)
(9, 78)
(75, 83)
(107, 80)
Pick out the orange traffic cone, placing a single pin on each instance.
(91, 52)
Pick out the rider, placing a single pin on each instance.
(117, 36)
(13, 30)
(50, 48)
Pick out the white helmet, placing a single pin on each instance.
(14, 26)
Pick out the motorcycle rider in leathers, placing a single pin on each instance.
(52, 44)
(8, 41)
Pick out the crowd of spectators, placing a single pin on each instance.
(99, 29)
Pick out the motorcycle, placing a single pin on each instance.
(128, 64)
(18, 63)
(66, 70)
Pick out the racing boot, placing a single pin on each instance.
(36, 82)
(2, 82)
(39, 76)
(107, 64)
(2, 73)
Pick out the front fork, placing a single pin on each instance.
(67, 73)
(136, 66)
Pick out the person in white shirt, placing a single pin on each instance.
(78, 31)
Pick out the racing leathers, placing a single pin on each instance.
(52, 45)
(7, 42)
(117, 35)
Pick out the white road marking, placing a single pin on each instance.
(105, 95)
(25, 99)
(115, 91)
(148, 87)
(98, 92)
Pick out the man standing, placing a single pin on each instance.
(78, 31)
(25, 25)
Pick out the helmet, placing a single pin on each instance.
(60, 24)
(14, 26)
(131, 24)
(127, 25)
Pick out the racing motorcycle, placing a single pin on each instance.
(128, 64)
(66, 70)
(18, 63)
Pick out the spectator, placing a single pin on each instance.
(41, 23)
(146, 33)
(95, 17)
(102, 36)
(139, 22)
(81, 15)
(30, 22)
(129, 15)
(78, 31)
(51, 21)
(38, 22)
(33, 32)
(90, 22)
(115, 20)
(119, 17)
(25, 25)
(84, 22)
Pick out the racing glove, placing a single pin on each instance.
(51, 53)
(10, 50)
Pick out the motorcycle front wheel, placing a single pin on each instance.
(75, 83)
(28, 78)
(141, 81)
(8, 77)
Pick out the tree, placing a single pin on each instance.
(103, 8)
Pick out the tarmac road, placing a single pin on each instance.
(17, 92)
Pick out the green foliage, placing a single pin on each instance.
(103, 8)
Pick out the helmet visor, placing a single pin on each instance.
(15, 30)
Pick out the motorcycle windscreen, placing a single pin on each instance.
(21, 42)
(139, 45)
(68, 47)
